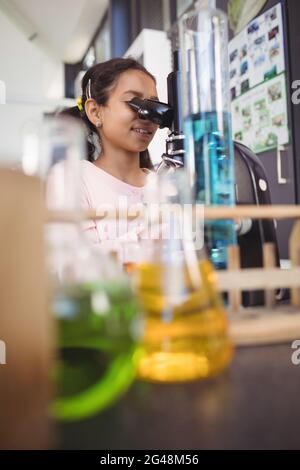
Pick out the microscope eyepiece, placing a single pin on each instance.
(154, 111)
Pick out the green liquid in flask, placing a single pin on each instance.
(98, 352)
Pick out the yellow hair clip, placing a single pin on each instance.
(79, 104)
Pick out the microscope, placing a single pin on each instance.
(166, 115)
(249, 173)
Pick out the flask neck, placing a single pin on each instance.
(201, 4)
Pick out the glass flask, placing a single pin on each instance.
(98, 322)
(185, 335)
(207, 119)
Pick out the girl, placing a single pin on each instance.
(118, 160)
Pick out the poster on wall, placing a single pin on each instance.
(257, 83)
(260, 117)
(256, 54)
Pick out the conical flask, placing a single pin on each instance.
(209, 155)
(93, 303)
(185, 332)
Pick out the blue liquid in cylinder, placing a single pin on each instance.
(209, 145)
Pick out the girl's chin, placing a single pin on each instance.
(139, 149)
(143, 149)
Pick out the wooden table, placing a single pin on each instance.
(255, 404)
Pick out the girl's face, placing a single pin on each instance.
(120, 124)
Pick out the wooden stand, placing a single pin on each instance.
(25, 327)
(295, 259)
(234, 264)
(247, 326)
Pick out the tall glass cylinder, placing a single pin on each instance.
(207, 121)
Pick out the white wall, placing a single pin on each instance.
(34, 83)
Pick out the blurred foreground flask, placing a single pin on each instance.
(186, 335)
(96, 311)
(207, 121)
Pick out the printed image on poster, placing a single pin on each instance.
(260, 117)
(256, 54)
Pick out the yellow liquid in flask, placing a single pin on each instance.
(186, 331)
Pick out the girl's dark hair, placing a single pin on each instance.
(102, 78)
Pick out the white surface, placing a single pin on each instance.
(34, 84)
(63, 28)
(155, 48)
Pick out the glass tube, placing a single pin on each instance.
(207, 120)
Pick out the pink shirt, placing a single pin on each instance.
(102, 190)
